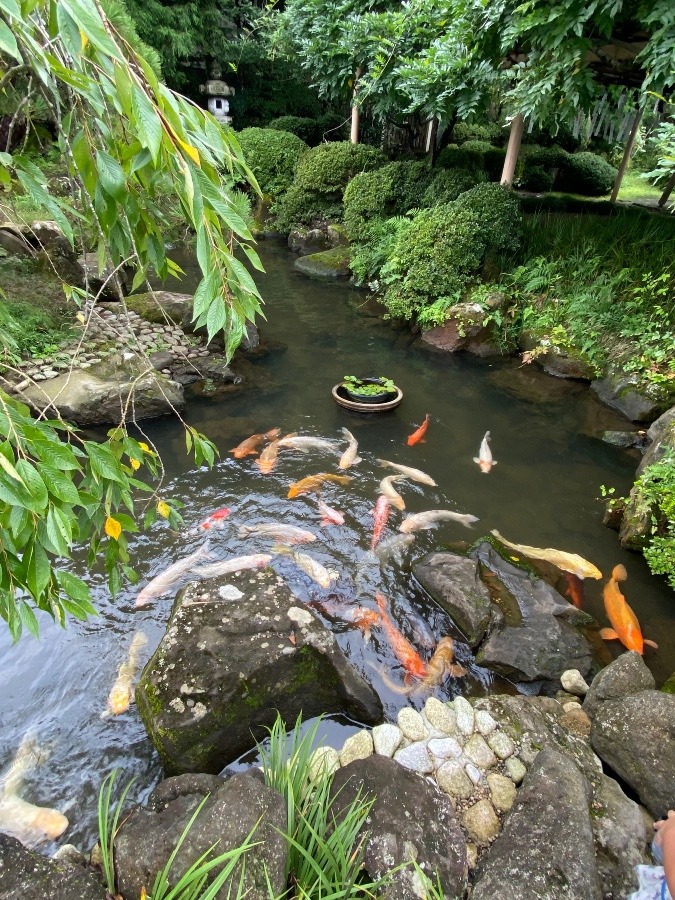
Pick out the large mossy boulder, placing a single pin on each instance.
(464, 330)
(158, 306)
(99, 395)
(25, 875)
(638, 403)
(325, 266)
(225, 667)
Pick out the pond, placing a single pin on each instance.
(544, 492)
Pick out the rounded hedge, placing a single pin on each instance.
(273, 157)
(312, 131)
(393, 190)
(447, 185)
(475, 156)
(497, 209)
(587, 174)
(490, 133)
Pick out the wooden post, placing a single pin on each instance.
(430, 143)
(625, 159)
(354, 135)
(513, 149)
(667, 191)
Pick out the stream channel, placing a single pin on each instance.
(543, 492)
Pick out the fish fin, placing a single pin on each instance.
(396, 688)
(476, 460)
(608, 634)
(494, 462)
(651, 644)
(457, 671)
(357, 460)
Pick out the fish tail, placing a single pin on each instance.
(272, 433)
(357, 460)
(468, 520)
(619, 573)
(244, 530)
(487, 436)
(396, 688)
(457, 671)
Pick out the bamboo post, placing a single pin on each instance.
(667, 191)
(628, 149)
(513, 149)
(354, 134)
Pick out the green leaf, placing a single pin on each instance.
(40, 196)
(103, 462)
(75, 588)
(59, 485)
(216, 317)
(34, 485)
(8, 43)
(88, 20)
(111, 175)
(28, 620)
(8, 467)
(39, 570)
(149, 125)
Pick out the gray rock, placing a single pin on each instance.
(621, 838)
(661, 433)
(501, 744)
(452, 779)
(445, 748)
(324, 760)
(412, 724)
(223, 669)
(325, 266)
(479, 753)
(545, 850)
(454, 584)
(481, 823)
(440, 716)
(97, 396)
(357, 746)
(538, 639)
(627, 674)
(305, 241)
(623, 393)
(574, 683)
(515, 768)
(410, 819)
(14, 242)
(561, 364)
(30, 876)
(149, 834)
(627, 440)
(636, 737)
(163, 359)
(502, 791)
(464, 330)
(416, 757)
(465, 715)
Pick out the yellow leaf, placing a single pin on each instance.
(134, 464)
(191, 151)
(163, 509)
(113, 528)
(144, 447)
(80, 318)
(84, 39)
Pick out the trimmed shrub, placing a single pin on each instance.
(537, 179)
(498, 210)
(475, 156)
(447, 185)
(490, 133)
(587, 174)
(311, 131)
(393, 190)
(375, 248)
(273, 156)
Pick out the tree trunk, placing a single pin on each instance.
(625, 159)
(513, 149)
(667, 191)
(354, 135)
(432, 131)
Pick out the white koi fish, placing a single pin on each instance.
(388, 490)
(323, 577)
(30, 824)
(287, 534)
(329, 515)
(409, 472)
(305, 443)
(394, 547)
(349, 457)
(122, 692)
(227, 566)
(433, 517)
(484, 458)
(169, 578)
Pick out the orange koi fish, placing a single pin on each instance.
(314, 482)
(381, 515)
(215, 520)
(268, 458)
(575, 589)
(249, 447)
(406, 654)
(441, 665)
(418, 436)
(626, 626)
(360, 616)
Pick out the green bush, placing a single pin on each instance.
(273, 156)
(490, 133)
(540, 166)
(321, 178)
(374, 248)
(393, 190)
(447, 185)
(497, 209)
(537, 178)
(311, 131)
(476, 156)
(587, 174)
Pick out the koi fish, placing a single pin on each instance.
(406, 654)
(433, 517)
(287, 534)
(227, 566)
(249, 447)
(409, 472)
(215, 520)
(484, 458)
(388, 490)
(626, 627)
(30, 824)
(360, 616)
(305, 443)
(568, 562)
(441, 665)
(349, 457)
(314, 482)
(324, 577)
(268, 458)
(394, 547)
(418, 436)
(380, 515)
(122, 692)
(575, 589)
(166, 580)
(422, 634)
(329, 516)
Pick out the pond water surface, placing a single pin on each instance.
(544, 492)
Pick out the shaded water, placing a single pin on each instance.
(543, 492)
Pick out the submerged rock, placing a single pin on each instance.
(223, 669)
(30, 876)
(545, 850)
(327, 265)
(411, 819)
(454, 584)
(233, 809)
(623, 392)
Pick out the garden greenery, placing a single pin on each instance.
(273, 157)
(657, 486)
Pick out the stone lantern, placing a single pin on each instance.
(217, 92)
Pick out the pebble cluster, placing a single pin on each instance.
(106, 333)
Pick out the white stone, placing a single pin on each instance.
(386, 739)
(465, 715)
(440, 716)
(574, 682)
(323, 760)
(571, 705)
(501, 744)
(452, 779)
(415, 757)
(516, 769)
(300, 616)
(478, 752)
(230, 592)
(358, 746)
(502, 792)
(445, 748)
(473, 772)
(485, 724)
(412, 724)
